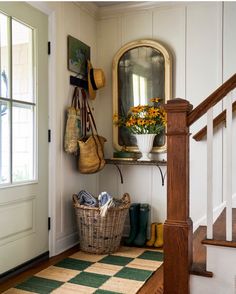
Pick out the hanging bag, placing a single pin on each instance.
(73, 125)
(91, 158)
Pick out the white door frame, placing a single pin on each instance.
(51, 121)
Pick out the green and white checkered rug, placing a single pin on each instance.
(122, 272)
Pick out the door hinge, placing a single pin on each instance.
(49, 223)
(49, 136)
(49, 48)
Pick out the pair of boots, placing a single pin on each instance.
(138, 214)
(156, 239)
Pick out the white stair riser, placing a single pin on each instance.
(221, 261)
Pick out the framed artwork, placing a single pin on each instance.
(78, 53)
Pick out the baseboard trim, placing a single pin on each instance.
(216, 212)
(24, 266)
(66, 242)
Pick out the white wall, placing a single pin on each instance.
(74, 21)
(229, 61)
(193, 31)
(65, 18)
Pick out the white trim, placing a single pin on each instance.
(229, 229)
(52, 121)
(234, 200)
(136, 6)
(41, 6)
(131, 7)
(62, 244)
(216, 213)
(89, 8)
(210, 173)
(52, 127)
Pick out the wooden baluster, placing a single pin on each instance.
(178, 226)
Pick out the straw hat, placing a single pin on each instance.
(96, 80)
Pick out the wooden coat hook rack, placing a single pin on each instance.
(75, 81)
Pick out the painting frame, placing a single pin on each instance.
(77, 55)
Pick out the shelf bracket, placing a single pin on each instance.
(162, 175)
(153, 163)
(120, 173)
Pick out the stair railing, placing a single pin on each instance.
(178, 225)
(224, 117)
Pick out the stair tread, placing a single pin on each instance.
(199, 254)
(219, 239)
(219, 231)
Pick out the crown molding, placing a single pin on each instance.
(124, 8)
(89, 7)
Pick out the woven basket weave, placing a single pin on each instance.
(100, 234)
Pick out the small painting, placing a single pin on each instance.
(78, 53)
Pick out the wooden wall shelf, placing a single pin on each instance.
(117, 162)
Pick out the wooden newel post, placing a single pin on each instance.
(178, 226)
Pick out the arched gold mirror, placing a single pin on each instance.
(141, 71)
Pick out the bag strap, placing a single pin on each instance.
(93, 127)
(84, 115)
(88, 123)
(75, 99)
(92, 120)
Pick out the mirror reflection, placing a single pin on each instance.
(141, 76)
(141, 71)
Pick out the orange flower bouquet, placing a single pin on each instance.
(144, 119)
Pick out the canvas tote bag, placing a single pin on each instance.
(73, 125)
(91, 157)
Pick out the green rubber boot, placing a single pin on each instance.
(140, 239)
(134, 222)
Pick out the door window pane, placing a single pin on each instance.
(23, 142)
(4, 142)
(22, 62)
(17, 102)
(4, 56)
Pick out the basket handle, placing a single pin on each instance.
(126, 198)
(75, 199)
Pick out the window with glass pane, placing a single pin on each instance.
(5, 142)
(22, 142)
(22, 62)
(4, 56)
(17, 102)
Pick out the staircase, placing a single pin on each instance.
(209, 254)
(217, 256)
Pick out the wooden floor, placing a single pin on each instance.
(30, 272)
(154, 285)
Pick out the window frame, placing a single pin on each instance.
(34, 104)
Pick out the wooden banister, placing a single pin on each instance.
(178, 231)
(178, 225)
(217, 120)
(211, 100)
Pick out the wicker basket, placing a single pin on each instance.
(100, 234)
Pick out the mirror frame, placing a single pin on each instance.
(168, 84)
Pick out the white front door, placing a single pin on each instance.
(23, 134)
